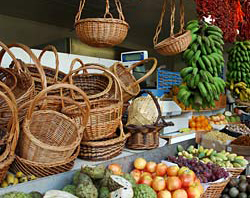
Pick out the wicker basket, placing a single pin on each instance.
(176, 43)
(8, 78)
(235, 172)
(103, 149)
(53, 75)
(96, 86)
(43, 169)
(101, 32)
(215, 189)
(130, 86)
(146, 136)
(49, 136)
(105, 114)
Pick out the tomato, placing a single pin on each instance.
(115, 168)
(136, 174)
(161, 169)
(187, 178)
(164, 194)
(150, 167)
(172, 170)
(180, 193)
(173, 183)
(140, 163)
(193, 192)
(158, 183)
(146, 180)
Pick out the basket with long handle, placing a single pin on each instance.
(130, 86)
(105, 114)
(176, 43)
(50, 136)
(101, 32)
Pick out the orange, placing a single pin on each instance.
(202, 117)
(192, 124)
(209, 127)
(198, 124)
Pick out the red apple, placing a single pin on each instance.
(187, 178)
(136, 174)
(182, 170)
(193, 192)
(161, 169)
(173, 183)
(150, 167)
(172, 170)
(115, 168)
(146, 174)
(164, 194)
(158, 183)
(146, 180)
(180, 193)
(153, 175)
(140, 163)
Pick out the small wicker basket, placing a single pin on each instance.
(176, 43)
(101, 32)
(49, 136)
(235, 172)
(146, 136)
(103, 149)
(130, 86)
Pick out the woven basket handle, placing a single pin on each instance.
(90, 66)
(6, 49)
(148, 73)
(74, 61)
(53, 48)
(122, 134)
(60, 86)
(34, 59)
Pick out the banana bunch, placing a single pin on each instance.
(205, 62)
(241, 90)
(239, 62)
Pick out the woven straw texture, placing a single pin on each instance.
(235, 172)
(101, 32)
(176, 43)
(8, 78)
(49, 136)
(130, 86)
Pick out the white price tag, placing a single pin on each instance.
(229, 149)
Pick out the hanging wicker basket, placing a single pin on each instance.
(130, 86)
(101, 32)
(146, 136)
(176, 43)
(105, 113)
(49, 136)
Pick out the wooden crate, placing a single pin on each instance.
(239, 150)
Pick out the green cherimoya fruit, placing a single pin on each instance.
(35, 194)
(130, 178)
(95, 172)
(70, 189)
(144, 191)
(104, 181)
(81, 178)
(86, 191)
(103, 192)
(16, 195)
(122, 192)
(115, 182)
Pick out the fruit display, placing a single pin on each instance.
(237, 187)
(223, 158)
(219, 136)
(217, 119)
(199, 123)
(232, 118)
(19, 177)
(243, 140)
(164, 181)
(205, 62)
(23, 195)
(173, 94)
(241, 91)
(238, 128)
(238, 63)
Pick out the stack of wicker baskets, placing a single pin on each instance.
(99, 139)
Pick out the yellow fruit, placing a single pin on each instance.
(16, 181)
(32, 177)
(4, 184)
(23, 179)
(19, 174)
(10, 179)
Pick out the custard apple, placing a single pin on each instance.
(86, 191)
(122, 192)
(144, 191)
(95, 172)
(115, 182)
(70, 189)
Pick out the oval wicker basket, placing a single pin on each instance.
(103, 149)
(130, 86)
(235, 172)
(101, 32)
(105, 114)
(49, 136)
(176, 43)
(43, 169)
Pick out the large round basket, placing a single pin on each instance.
(101, 32)
(96, 86)
(130, 86)
(176, 43)
(43, 169)
(146, 136)
(235, 172)
(49, 136)
(8, 78)
(215, 189)
(105, 114)
(104, 149)
(53, 75)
